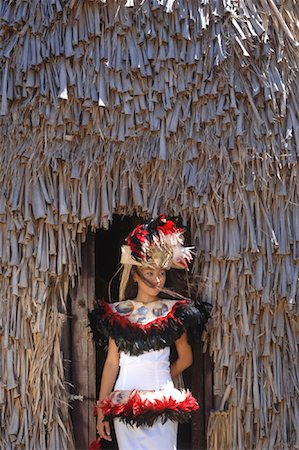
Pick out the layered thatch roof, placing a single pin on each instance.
(185, 107)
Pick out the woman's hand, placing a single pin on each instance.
(109, 375)
(103, 426)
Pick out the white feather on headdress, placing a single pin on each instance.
(157, 243)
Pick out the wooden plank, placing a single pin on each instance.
(208, 390)
(83, 351)
(198, 438)
(202, 388)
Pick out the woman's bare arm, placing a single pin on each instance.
(109, 375)
(184, 359)
(110, 370)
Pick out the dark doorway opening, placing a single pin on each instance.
(197, 378)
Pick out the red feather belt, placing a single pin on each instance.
(146, 407)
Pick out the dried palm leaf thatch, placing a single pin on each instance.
(185, 107)
(220, 428)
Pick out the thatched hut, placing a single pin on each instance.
(130, 109)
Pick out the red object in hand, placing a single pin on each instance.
(95, 445)
(95, 410)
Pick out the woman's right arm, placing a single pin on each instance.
(109, 375)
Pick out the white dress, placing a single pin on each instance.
(145, 406)
(146, 372)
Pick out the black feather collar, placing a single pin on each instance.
(137, 327)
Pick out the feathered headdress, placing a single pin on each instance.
(157, 243)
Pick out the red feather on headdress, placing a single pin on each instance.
(159, 236)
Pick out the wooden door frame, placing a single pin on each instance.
(202, 388)
(83, 350)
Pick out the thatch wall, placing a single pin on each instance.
(186, 107)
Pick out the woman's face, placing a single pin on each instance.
(155, 277)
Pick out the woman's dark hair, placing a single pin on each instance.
(176, 283)
(132, 287)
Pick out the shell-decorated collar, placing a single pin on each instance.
(138, 327)
(143, 313)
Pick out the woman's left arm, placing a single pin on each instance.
(184, 359)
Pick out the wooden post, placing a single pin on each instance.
(202, 388)
(208, 390)
(83, 351)
(198, 430)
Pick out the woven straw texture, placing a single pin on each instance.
(178, 106)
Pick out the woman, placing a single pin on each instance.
(144, 405)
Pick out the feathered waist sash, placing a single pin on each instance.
(146, 407)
